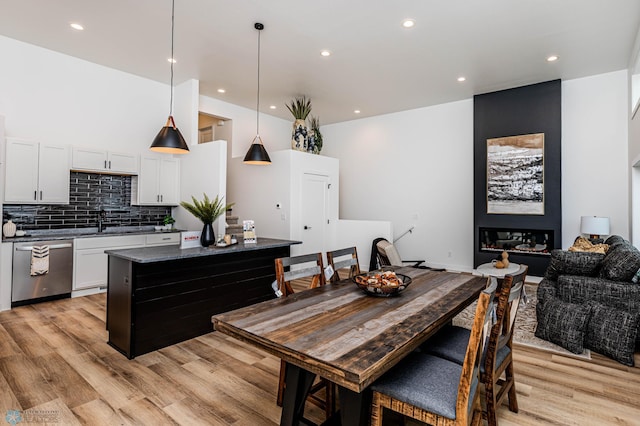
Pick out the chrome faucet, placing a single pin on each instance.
(102, 215)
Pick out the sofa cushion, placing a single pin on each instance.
(563, 323)
(617, 294)
(573, 263)
(620, 263)
(612, 332)
(614, 239)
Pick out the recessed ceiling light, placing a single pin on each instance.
(172, 60)
(552, 58)
(357, 111)
(222, 91)
(408, 23)
(325, 53)
(76, 26)
(272, 107)
(461, 79)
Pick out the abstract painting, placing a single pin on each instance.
(515, 175)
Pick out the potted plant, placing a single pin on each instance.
(315, 141)
(207, 211)
(300, 107)
(168, 222)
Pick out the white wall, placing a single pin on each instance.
(275, 132)
(411, 168)
(59, 99)
(361, 233)
(595, 163)
(203, 170)
(416, 168)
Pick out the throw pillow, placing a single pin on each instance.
(614, 239)
(573, 263)
(563, 323)
(612, 332)
(621, 263)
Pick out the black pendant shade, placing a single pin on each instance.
(257, 154)
(169, 140)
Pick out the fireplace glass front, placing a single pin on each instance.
(521, 241)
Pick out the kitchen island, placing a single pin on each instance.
(159, 296)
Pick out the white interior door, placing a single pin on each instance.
(314, 212)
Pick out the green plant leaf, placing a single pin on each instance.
(207, 210)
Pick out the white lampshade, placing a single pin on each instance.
(594, 225)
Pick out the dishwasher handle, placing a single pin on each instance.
(51, 247)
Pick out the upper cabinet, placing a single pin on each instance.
(158, 182)
(101, 161)
(36, 173)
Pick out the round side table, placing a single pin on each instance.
(488, 269)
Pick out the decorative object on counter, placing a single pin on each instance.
(300, 107)
(207, 211)
(249, 232)
(502, 261)
(20, 233)
(169, 140)
(189, 239)
(314, 145)
(9, 229)
(257, 154)
(168, 222)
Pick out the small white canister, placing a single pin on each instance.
(9, 229)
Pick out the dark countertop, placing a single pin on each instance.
(165, 253)
(68, 234)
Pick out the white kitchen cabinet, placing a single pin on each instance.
(91, 264)
(101, 161)
(158, 182)
(36, 173)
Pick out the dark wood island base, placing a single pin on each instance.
(160, 296)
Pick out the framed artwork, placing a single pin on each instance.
(515, 175)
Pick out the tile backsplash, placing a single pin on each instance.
(88, 194)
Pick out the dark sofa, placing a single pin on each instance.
(592, 300)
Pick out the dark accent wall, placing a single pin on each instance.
(523, 110)
(88, 194)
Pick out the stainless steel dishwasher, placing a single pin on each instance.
(56, 282)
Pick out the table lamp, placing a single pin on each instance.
(594, 226)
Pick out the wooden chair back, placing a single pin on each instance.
(343, 258)
(285, 274)
(496, 387)
(482, 324)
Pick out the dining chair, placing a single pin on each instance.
(284, 275)
(343, 258)
(435, 390)
(498, 357)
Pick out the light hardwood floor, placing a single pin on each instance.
(55, 365)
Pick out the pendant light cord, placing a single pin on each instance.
(172, 60)
(258, 97)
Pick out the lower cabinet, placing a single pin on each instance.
(90, 263)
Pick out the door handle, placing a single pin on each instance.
(307, 227)
(40, 195)
(109, 164)
(51, 247)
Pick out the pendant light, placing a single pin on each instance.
(169, 139)
(257, 154)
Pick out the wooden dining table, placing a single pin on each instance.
(348, 337)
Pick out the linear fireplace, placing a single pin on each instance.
(534, 242)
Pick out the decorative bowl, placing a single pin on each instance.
(382, 283)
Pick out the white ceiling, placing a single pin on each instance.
(376, 66)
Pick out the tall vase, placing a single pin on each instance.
(299, 135)
(207, 237)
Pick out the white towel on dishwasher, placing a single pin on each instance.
(39, 260)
